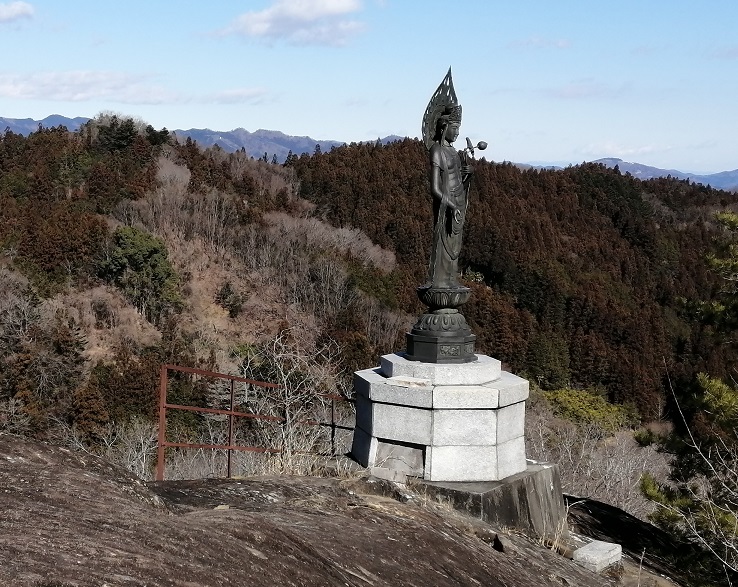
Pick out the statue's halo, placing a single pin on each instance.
(444, 97)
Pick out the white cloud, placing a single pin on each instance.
(237, 96)
(14, 11)
(728, 52)
(114, 87)
(300, 22)
(613, 149)
(82, 86)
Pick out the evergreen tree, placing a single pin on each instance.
(701, 503)
(138, 265)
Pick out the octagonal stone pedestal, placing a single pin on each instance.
(440, 422)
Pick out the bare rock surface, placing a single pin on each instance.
(74, 519)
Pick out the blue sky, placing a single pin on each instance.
(541, 81)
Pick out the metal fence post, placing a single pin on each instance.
(230, 429)
(160, 453)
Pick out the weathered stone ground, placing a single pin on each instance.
(73, 519)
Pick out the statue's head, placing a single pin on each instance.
(448, 123)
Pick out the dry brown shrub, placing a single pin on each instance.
(171, 174)
(384, 326)
(106, 318)
(269, 178)
(287, 270)
(17, 308)
(317, 234)
(593, 463)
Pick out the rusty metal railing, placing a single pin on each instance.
(232, 413)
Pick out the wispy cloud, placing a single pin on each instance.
(115, 87)
(237, 96)
(81, 86)
(728, 52)
(536, 42)
(648, 50)
(300, 22)
(586, 90)
(613, 149)
(12, 11)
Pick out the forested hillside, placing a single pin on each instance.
(592, 284)
(122, 249)
(581, 277)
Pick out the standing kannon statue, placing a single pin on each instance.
(449, 181)
(442, 335)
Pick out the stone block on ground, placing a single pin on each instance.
(598, 555)
(406, 459)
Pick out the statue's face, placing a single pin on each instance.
(452, 132)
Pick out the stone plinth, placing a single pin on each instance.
(530, 500)
(440, 422)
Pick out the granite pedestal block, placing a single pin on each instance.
(530, 500)
(441, 422)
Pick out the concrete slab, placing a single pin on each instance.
(371, 384)
(510, 458)
(364, 447)
(598, 555)
(530, 500)
(407, 381)
(417, 392)
(405, 459)
(465, 397)
(510, 422)
(388, 474)
(483, 370)
(402, 423)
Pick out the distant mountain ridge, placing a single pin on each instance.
(273, 142)
(25, 126)
(725, 180)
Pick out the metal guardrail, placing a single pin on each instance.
(232, 413)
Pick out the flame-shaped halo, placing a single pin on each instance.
(444, 98)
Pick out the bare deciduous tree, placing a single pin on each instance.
(593, 463)
(299, 402)
(13, 418)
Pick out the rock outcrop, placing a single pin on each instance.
(73, 519)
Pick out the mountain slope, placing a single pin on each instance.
(256, 143)
(273, 142)
(725, 180)
(25, 126)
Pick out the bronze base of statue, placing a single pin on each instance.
(441, 336)
(437, 298)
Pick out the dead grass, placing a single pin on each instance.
(106, 319)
